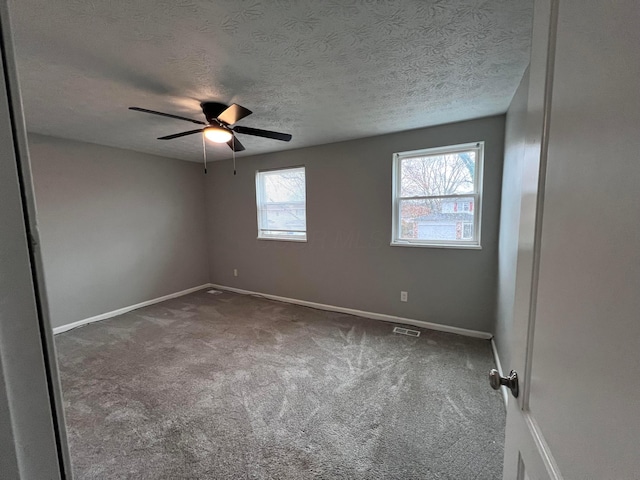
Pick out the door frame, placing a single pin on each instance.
(35, 368)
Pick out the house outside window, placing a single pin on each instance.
(467, 231)
(281, 204)
(437, 195)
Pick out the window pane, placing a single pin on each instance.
(284, 185)
(290, 216)
(437, 219)
(445, 174)
(281, 203)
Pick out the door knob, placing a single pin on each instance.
(511, 381)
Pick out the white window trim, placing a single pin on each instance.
(473, 244)
(285, 238)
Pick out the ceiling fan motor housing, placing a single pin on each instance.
(211, 111)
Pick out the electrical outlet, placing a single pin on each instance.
(235, 272)
(404, 297)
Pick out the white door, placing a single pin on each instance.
(576, 339)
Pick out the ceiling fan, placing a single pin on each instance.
(219, 127)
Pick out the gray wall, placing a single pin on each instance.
(347, 260)
(514, 143)
(117, 227)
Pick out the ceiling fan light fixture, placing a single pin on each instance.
(220, 126)
(217, 134)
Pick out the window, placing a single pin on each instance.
(437, 195)
(281, 199)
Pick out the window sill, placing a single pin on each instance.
(436, 245)
(283, 239)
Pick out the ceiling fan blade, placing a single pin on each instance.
(235, 145)
(182, 134)
(233, 113)
(153, 112)
(285, 137)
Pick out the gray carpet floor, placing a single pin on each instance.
(237, 387)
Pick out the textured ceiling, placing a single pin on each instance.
(322, 70)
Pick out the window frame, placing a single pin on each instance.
(259, 202)
(475, 242)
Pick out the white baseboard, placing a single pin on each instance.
(496, 357)
(321, 306)
(120, 311)
(361, 313)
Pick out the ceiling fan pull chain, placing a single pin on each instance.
(204, 154)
